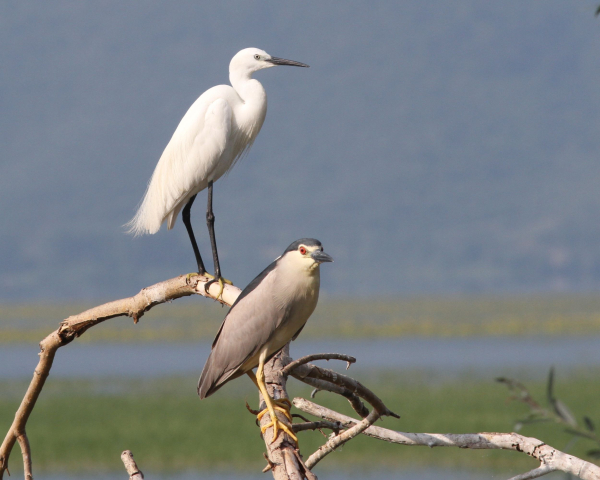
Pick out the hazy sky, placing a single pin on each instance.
(432, 146)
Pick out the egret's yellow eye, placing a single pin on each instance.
(302, 251)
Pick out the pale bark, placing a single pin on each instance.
(283, 458)
(132, 469)
(550, 458)
(76, 325)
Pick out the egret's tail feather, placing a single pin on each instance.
(146, 219)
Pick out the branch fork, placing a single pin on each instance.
(284, 460)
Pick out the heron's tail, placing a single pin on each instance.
(212, 377)
(207, 379)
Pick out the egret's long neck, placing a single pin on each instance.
(249, 89)
(250, 115)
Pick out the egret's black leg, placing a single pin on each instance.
(210, 221)
(185, 215)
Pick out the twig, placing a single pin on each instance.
(557, 412)
(26, 452)
(520, 393)
(76, 325)
(342, 438)
(300, 427)
(548, 456)
(535, 473)
(358, 406)
(305, 371)
(312, 371)
(132, 469)
(317, 356)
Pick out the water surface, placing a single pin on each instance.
(445, 356)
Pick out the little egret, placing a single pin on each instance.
(219, 127)
(270, 312)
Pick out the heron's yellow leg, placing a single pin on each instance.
(275, 422)
(283, 405)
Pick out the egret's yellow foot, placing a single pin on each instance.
(222, 281)
(205, 274)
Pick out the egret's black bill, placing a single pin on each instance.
(321, 257)
(283, 61)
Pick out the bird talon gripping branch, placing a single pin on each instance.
(285, 411)
(221, 281)
(279, 425)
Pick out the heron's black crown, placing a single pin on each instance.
(309, 242)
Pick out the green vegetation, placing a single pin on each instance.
(82, 425)
(196, 318)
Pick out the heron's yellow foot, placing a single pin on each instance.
(284, 410)
(222, 281)
(276, 424)
(283, 405)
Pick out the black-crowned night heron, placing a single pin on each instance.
(270, 312)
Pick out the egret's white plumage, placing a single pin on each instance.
(214, 133)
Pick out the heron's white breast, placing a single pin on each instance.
(297, 294)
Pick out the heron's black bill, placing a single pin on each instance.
(283, 61)
(321, 257)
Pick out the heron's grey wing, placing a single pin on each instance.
(244, 332)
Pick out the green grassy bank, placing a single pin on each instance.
(192, 319)
(84, 426)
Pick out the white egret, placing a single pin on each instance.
(219, 127)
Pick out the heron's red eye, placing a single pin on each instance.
(302, 251)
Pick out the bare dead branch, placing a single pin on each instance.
(312, 371)
(351, 389)
(317, 356)
(26, 452)
(282, 458)
(301, 427)
(132, 469)
(342, 438)
(355, 402)
(535, 473)
(76, 325)
(549, 457)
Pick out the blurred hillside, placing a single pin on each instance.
(432, 147)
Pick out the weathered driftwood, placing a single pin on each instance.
(550, 458)
(132, 469)
(76, 325)
(283, 458)
(333, 382)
